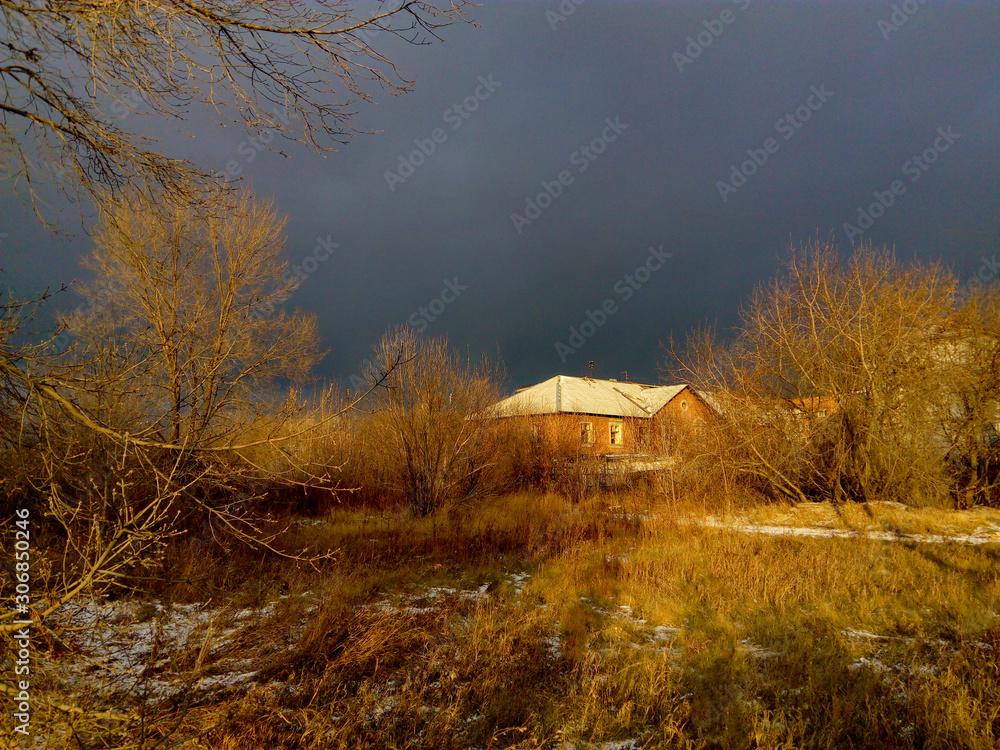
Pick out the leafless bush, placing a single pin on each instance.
(432, 421)
(849, 381)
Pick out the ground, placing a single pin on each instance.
(527, 621)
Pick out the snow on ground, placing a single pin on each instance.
(143, 650)
(519, 581)
(852, 633)
(429, 600)
(983, 535)
(132, 648)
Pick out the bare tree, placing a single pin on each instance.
(161, 407)
(159, 412)
(190, 331)
(433, 416)
(838, 382)
(167, 379)
(288, 68)
(168, 388)
(139, 421)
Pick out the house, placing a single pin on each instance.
(606, 417)
(814, 407)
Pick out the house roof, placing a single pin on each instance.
(712, 399)
(568, 395)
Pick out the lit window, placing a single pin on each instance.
(586, 433)
(536, 430)
(615, 433)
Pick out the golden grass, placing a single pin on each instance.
(629, 626)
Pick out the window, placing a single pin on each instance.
(536, 431)
(615, 433)
(586, 433)
(684, 405)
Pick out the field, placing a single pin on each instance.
(527, 621)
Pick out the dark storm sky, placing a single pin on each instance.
(838, 110)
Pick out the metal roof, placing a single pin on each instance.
(568, 395)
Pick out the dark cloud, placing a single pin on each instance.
(655, 184)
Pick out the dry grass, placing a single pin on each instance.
(531, 622)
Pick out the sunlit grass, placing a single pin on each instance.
(527, 621)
